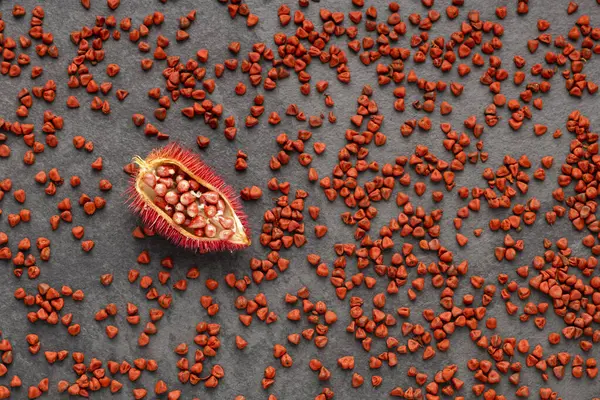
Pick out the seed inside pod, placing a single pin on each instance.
(182, 199)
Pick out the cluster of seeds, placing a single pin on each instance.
(208, 342)
(6, 356)
(197, 209)
(50, 303)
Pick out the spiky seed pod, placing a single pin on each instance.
(182, 199)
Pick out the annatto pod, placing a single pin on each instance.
(179, 197)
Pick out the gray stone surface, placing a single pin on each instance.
(117, 140)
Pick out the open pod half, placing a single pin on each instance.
(183, 200)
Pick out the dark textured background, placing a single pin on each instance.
(116, 139)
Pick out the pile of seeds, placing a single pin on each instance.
(198, 210)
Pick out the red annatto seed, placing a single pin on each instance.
(202, 141)
(87, 245)
(97, 164)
